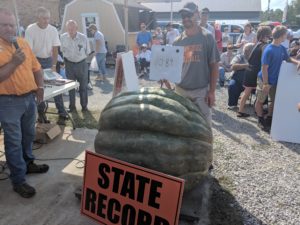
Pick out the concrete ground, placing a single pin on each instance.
(54, 202)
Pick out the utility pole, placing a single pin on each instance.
(171, 16)
(269, 9)
(126, 23)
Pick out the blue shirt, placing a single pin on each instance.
(143, 38)
(273, 56)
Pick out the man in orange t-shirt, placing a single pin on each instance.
(21, 82)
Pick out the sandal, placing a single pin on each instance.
(35, 168)
(241, 114)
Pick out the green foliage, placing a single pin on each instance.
(276, 15)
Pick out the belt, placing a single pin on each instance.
(22, 95)
(74, 62)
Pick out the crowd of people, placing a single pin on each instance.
(253, 62)
(22, 61)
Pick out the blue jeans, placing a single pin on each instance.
(17, 117)
(221, 75)
(58, 100)
(235, 87)
(101, 59)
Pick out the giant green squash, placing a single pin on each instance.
(157, 129)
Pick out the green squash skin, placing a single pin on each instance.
(157, 129)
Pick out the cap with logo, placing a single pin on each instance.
(189, 7)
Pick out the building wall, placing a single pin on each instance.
(26, 9)
(251, 16)
(110, 24)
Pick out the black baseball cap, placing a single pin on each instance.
(189, 7)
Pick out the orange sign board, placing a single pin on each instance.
(117, 192)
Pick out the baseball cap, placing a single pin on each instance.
(189, 7)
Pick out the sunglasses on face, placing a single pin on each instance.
(186, 15)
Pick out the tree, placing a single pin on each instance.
(276, 15)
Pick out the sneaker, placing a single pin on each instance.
(232, 107)
(63, 117)
(89, 86)
(98, 78)
(242, 115)
(25, 190)
(36, 168)
(84, 109)
(72, 109)
(263, 126)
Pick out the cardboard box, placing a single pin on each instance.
(46, 132)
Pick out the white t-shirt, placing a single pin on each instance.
(172, 35)
(41, 41)
(145, 55)
(99, 36)
(210, 29)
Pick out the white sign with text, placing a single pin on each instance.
(166, 63)
(286, 115)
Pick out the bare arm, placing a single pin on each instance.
(214, 74)
(39, 80)
(54, 57)
(9, 68)
(98, 45)
(239, 66)
(264, 70)
(295, 61)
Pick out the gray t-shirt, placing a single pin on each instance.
(200, 51)
(99, 36)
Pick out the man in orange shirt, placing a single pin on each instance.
(21, 81)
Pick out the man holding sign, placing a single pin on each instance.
(200, 66)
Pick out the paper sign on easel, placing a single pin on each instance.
(125, 74)
(286, 115)
(166, 63)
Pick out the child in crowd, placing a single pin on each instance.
(144, 58)
(272, 58)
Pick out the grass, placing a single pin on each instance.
(81, 119)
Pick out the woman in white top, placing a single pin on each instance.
(247, 37)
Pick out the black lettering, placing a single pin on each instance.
(160, 221)
(101, 200)
(128, 215)
(103, 169)
(117, 172)
(144, 218)
(154, 193)
(128, 185)
(113, 205)
(90, 200)
(141, 190)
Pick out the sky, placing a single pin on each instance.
(274, 4)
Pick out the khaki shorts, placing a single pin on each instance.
(261, 96)
(197, 96)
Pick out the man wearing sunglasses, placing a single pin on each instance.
(200, 66)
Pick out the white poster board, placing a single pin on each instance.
(131, 79)
(166, 63)
(286, 116)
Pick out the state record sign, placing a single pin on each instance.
(116, 192)
(166, 63)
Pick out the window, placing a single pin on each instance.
(87, 19)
